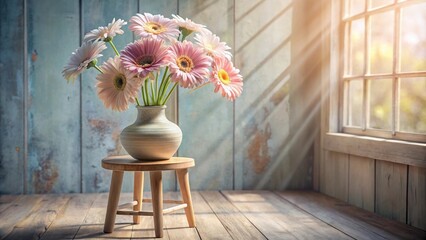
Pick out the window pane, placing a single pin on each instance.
(412, 105)
(356, 56)
(380, 3)
(413, 38)
(380, 104)
(354, 103)
(381, 48)
(354, 7)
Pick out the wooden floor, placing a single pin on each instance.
(219, 215)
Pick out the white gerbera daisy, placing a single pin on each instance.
(82, 58)
(106, 33)
(155, 26)
(187, 26)
(212, 45)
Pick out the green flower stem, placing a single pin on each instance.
(146, 93)
(113, 47)
(156, 88)
(160, 91)
(164, 90)
(143, 96)
(137, 102)
(170, 93)
(97, 68)
(152, 92)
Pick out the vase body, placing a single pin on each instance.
(152, 136)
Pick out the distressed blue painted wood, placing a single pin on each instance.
(206, 118)
(262, 52)
(12, 129)
(101, 127)
(53, 105)
(236, 145)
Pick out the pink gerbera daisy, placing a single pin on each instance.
(187, 26)
(144, 56)
(155, 26)
(188, 64)
(226, 78)
(117, 86)
(212, 45)
(82, 58)
(106, 33)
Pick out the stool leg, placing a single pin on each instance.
(114, 196)
(137, 194)
(157, 201)
(185, 190)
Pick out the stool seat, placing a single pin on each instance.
(125, 163)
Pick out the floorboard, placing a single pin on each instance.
(356, 222)
(219, 215)
(279, 219)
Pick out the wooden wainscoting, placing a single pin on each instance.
(394, 190)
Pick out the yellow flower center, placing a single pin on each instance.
(185, 63)
(120, 83)
(224, 77)
(154, 28)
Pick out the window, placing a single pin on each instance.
(384, 68)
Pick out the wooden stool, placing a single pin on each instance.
(119, 164)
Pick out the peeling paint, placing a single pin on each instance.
(34, 55)
(258, 150)
(107, 130)
(46, 175)
(117, 144)
(101, 126)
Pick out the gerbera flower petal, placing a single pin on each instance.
(116, 86)
(144, 56)
(106, 33)
(155, 26)
(81, 58)
(212, 45)
(187, 26)
(226, 79)
(188, 64)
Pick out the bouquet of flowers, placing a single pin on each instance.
(150, 68)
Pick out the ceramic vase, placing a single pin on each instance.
(152, 136)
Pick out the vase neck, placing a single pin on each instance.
(151, 114)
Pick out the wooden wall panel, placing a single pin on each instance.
(361, 182)
(334, 175)
(262, 52)
(391, 190)
(417, 197)
(206, 119)
(53, 105)
(101, 127)
(12, 129)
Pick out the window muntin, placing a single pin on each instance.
(384, 76)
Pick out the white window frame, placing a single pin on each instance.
(332, 136)
(366, 76)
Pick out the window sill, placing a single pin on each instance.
(397, 151)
